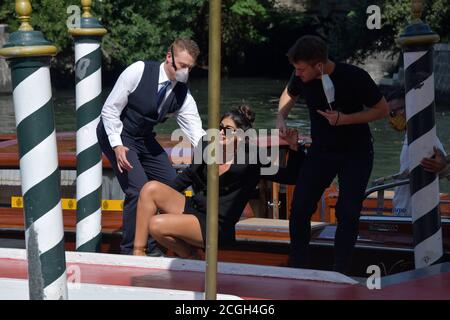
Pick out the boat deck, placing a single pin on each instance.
(9, 156)
(245, 281)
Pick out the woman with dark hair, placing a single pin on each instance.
(181, 222)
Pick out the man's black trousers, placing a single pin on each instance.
(321, 166)
(149, 162)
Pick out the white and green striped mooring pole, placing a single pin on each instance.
(88, 78)
(417, 42)
(28, 54)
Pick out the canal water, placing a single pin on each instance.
(262, 94)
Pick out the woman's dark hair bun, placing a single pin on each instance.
(242, 115)
(247, 113)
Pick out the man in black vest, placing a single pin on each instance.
(143, 96)
(341, 100)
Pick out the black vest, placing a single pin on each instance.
(141, 113)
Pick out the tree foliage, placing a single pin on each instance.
(253, 31)
(143, 29)
(349, 36)
(436, 14)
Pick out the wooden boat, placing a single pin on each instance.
(384, 239)
(107, 276)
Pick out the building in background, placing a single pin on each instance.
(5, 74)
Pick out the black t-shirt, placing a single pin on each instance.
(354, 89)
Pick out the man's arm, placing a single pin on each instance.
(113, 107)
(284, 107)
(189, 120)
(446, 171)
(379, 111)
(118, 99)
(439, 163)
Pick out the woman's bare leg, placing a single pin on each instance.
(177, 232)
(154, 195)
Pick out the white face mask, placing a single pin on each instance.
(182, 75)
(328, 88)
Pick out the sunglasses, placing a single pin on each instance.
(227, 128)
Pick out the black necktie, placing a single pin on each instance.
(162, 94)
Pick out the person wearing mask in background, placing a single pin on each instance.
(336, 95)
(401, 202)
(145, 94)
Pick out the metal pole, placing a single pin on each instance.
(275, 200)
(417, 42)
(88, 78)
(29, 56)
(213, 170)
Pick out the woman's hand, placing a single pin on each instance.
(291, 137)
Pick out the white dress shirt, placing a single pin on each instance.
(187, 117)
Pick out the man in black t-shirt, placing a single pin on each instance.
(339, 112)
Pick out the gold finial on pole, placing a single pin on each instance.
(90, 26)
(417, 9)
(23, 10)
(22, 44)
(86, 4)
(417, 32)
